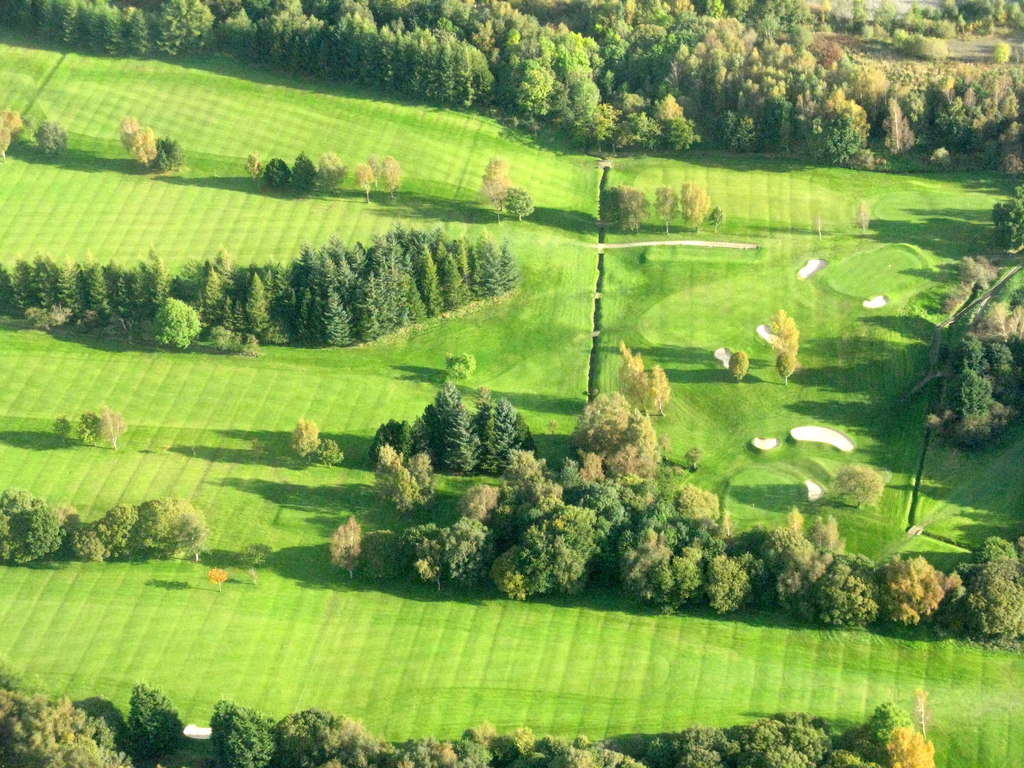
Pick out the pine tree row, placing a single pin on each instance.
(335, 295)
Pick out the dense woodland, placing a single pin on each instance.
(36, 732)
(744, 75)
(335, 295)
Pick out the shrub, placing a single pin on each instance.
(51, 137)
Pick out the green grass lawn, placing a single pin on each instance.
(406, 660)
(677, 304)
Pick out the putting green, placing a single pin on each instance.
(893, 270)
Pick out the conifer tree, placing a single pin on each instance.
(411, 310)
(427, 282)
(510, 434)
(483, 424)
(339, 332)
(93, 290)
(369, 310)
(450, 434)
(454, 291)
(213, 304)
(257, 308)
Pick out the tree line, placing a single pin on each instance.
(630, 208)
(335, 295)
(744, 75)
(32, 530)
(617, 515)
(43, 733)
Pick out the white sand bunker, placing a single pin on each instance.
(195, 732)
(765, 332)
(724, 356)
(813, 267)
(823, 435)
(814, 491)
(876, 302)
(765, 443)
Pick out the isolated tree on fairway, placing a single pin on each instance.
(129, 127)
(305, 438)
(863, 216)
(633, 208)
(189, 531)
(62, 428)
(739, 365)
(460, 366)
(177, 324)
(390, 174)
(89, 427)
(242, 737)
(858, 485)
(11, 121)
(660, 389)
(51, 137)
(346, 543)
(255, 556)
(276, 173)
(153, 727)
(785, 364)
(716, 217)
(634, 382)
(218, 576)
(495, 184)
(365, 178)
(254, 166)
(786, 342)
(29, 529)
(694, 203)
(666, 203)
(144, 146)
(330, 172)
(5, 142)
(518, 203)
(112, 425)
(303, 174)
(169, 155)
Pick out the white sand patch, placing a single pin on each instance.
(765, 443)
(823, 435)
(724, 356)
(813, 267)
(876, 302)
(195, 732)
(814, 491)
(765, 332)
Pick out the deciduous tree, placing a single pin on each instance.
(144, 146)
(863, 215)
(716, 217)
(330, 172)
(495, 184)
(112, 425)
(346, 544)
(695, 203)
(739, 365)
(666, 203)
(460, 366)
(5, 142)
(218, 576)
(254, 166)
(177, 324)
(634, 382)
(29, 529)
(858, 485)
(910, 749)
(785, 364)
(390, 174)
(305, 438)
(51, 137)
(242, 737)
(518, 202)
(898, 135)
(661, 390)
(62, 428)
(365, 178)
(910, 589)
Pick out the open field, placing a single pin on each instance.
(677, 305)
(407, 661)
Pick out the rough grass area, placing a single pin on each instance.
(403, 658)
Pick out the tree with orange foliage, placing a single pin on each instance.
(910, 749)
(218, 577)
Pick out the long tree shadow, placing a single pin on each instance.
(35, 441)
(943, 231)
(77, 159)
